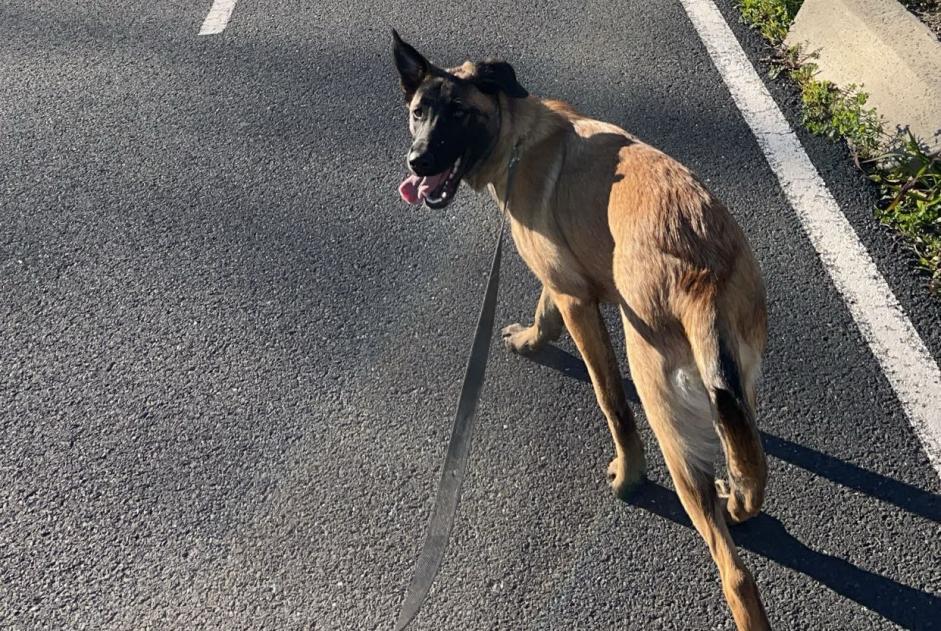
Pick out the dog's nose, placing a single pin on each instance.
(420, 162)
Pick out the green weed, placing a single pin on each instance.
(910, 180)
(772, 18)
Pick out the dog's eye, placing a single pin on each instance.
(418, 112)
(459, 112)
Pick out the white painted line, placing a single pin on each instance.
(218, 17)
(905, 361)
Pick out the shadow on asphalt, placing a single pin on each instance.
(765, 535)
(554, 357)
(905, 496)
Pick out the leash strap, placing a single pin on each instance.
(455, 462)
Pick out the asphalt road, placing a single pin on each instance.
(230, 354)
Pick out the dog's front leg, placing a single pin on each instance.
(583, 320)
(546, 327)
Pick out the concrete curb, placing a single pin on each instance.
(880, 45)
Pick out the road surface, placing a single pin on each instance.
(231, 354)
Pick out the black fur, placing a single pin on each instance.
(730, 400)
(498, 76)
(412, 66)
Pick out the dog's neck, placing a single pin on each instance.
(524, 123)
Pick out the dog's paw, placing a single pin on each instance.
(626, 477)
(519, 339)
(733, 503)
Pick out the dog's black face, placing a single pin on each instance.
(454, 118)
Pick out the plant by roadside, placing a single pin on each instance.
(909, 178)
(772, 18)
(828, 110)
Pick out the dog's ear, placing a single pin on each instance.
(494, 76)
(412, 66)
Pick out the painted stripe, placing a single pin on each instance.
(218, 17)
(905, 361)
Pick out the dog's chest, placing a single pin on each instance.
(545, 253)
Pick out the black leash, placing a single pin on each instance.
(455, 462)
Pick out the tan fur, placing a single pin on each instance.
(601, 217)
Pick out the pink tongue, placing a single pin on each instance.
(414, 189)
(409, 189)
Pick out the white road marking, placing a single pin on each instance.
(218, 17)
(905, 361)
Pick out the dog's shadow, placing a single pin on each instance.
(554, 357)
(767, 536)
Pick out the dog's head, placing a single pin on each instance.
(454, 118)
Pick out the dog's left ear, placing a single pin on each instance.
(412, 66)
(494, 76)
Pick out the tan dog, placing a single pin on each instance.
(600, 217)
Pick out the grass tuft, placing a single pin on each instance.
(772, 18)
(910, 180)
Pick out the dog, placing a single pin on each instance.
(601, 217)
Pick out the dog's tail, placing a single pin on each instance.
(718, 351)
(716, 355)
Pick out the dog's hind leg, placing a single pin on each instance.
(583, 321)
(546, 327)
(679, 412)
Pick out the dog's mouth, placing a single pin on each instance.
(437, 191)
